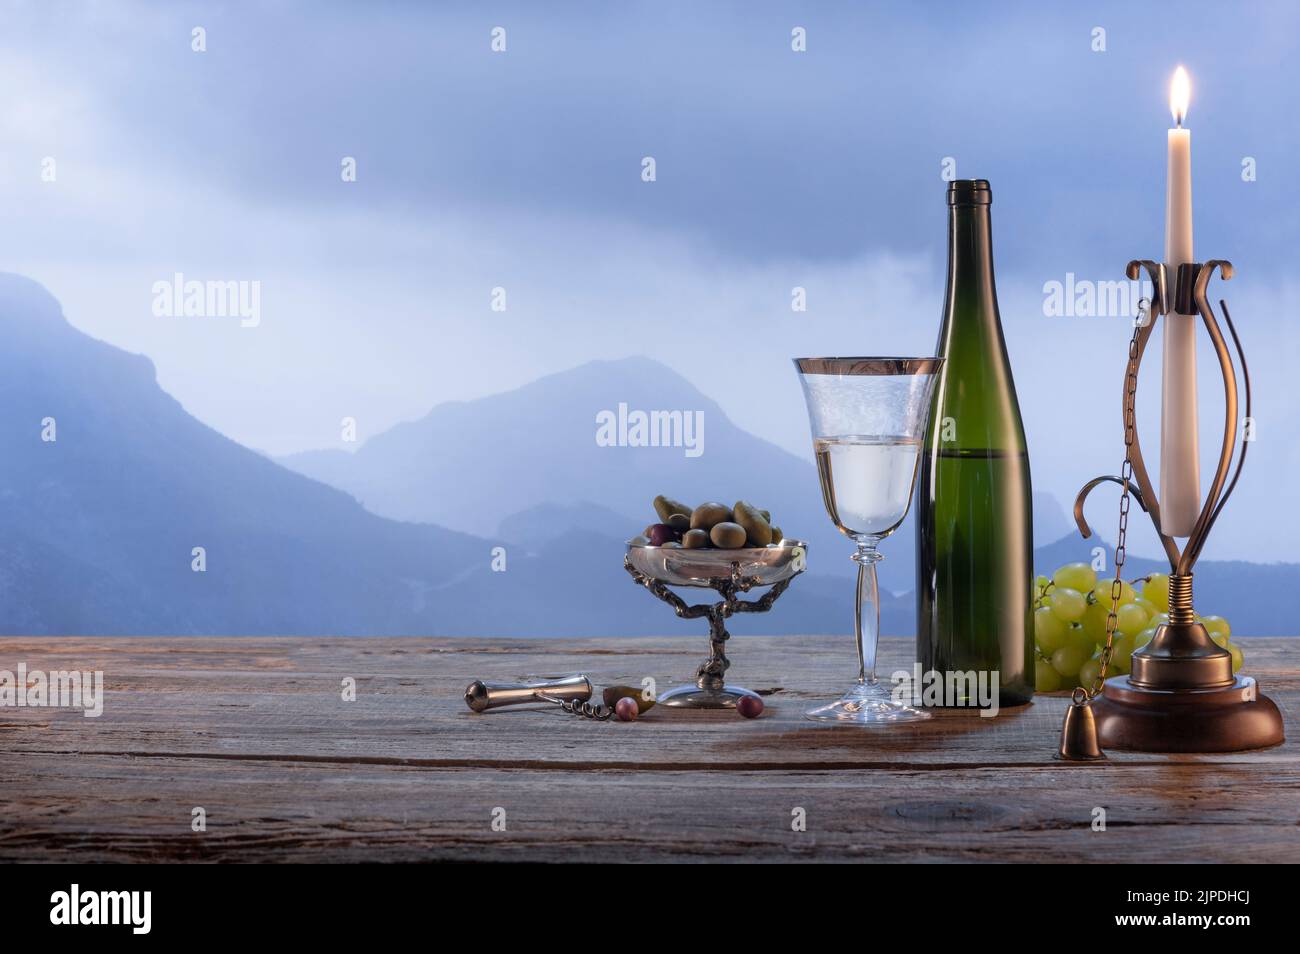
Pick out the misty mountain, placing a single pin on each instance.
(107, 486)
(470, 464)
(474, 465)
(1051, 522)
(543, 523)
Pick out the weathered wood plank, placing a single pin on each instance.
(112, 809)
(251, 698)
(256, 732)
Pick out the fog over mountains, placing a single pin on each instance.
(474, 466)
(108, 486)
(537, 468)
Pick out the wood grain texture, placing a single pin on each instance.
(256, 732)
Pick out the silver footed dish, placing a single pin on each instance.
(678, 566)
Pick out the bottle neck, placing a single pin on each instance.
(975, 386)
(970, 256)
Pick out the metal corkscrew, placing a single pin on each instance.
(570, 692)
(585, 709)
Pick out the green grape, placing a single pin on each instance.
(1131, 619)
(1159, 618)
(1217, 625)
(1147, 605)
(1067, 660)
(1101, 593)
(1094, 621)
(1238, 657)
(1144, 637)
(1067, 604)
(1041, 582)
(1156, 590)
(1075, 576)
(1122, 650)
(1080, 637)
(1088, 672)
(1049, 631)
(1219, 639)
(1046, 678)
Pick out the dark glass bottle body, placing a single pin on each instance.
(973, 496)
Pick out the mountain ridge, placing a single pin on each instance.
(98, 525)
(108, 480)
(1056, 540)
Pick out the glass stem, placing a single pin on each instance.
(867, 618)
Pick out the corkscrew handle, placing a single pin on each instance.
(481, 696)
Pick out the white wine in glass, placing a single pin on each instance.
(867, 481)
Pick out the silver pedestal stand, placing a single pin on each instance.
(730, 573)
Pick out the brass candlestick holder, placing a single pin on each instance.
(1181, 694)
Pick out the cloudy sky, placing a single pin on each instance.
(522, 169)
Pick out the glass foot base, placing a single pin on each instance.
(693, 697)
(867, 704)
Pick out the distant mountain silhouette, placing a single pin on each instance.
(1050, 520)
(97, 526)
(539, 524)
(469, 464)
(472, 465)
(524, 465)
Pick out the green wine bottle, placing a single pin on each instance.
(973, 529)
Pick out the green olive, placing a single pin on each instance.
(611, 694)
(708, 515)
(694, 539)
(641, 541)
(757, 530)
(777, 535)
(727, 535)
(666, 507)
(679, 521)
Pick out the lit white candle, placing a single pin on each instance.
(1180, 481)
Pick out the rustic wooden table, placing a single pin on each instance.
(256, 733)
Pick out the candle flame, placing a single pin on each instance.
(1180, 94)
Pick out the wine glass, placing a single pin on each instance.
(868, 419)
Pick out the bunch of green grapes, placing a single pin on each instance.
(1070, 611)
